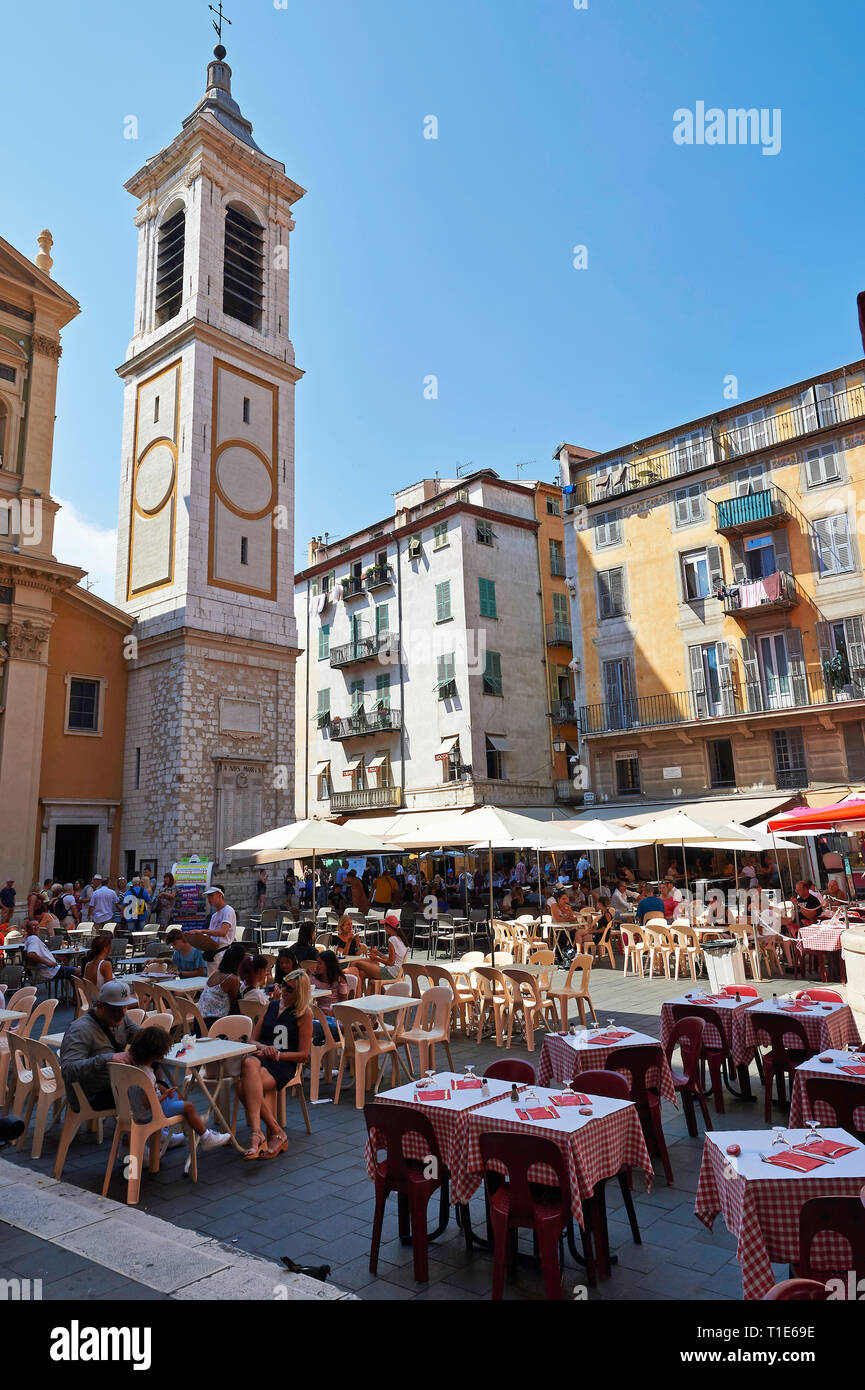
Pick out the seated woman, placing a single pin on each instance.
(304, 947)
(97, 967)
(380, 966)
(283, 1036)
(347, 943)
(583, 934)
(253, 973)
(222, 991)
(326, 973)
(671, 897)
(286, 962)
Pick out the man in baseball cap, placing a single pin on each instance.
(222, 927)
(92, 1041)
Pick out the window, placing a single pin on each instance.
(493, 674)
(822, 465)
(854, 747)
(688, 452)
(753, 431)
(711, 680)
(627, 774)
(790, 767)
(721, 770)
(323, 712)
(440, 535)
(243, 269)
(833, 545)
(695, 576)
(446, 685)
(487, 597)
(7, 373)
(382, 692)
(169, 267)
(246, 415)
(356, 691)
(495, 760)
(443, 601)
(689, 505)
(749, 480)
(819, 406)
(156, 410)
(608, 530)
(138, 769)
(557, 559)
(561, 619)
(244, 550)
(484, 533)
(554, 506)
(322, 782)
(324, 642)
(842, 655)
(611, 593)
(83, 712)
(620, 709)
(381, 619)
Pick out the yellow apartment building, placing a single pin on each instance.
(717, 596)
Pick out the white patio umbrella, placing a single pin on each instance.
(678, 828)
(308, 837)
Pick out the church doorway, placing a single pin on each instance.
(75, 853)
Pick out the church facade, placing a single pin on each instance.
(206, 517)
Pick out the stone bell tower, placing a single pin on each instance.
(206, 528)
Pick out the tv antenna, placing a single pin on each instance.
(464, 468)
(527, 463)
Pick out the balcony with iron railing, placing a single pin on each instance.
(366, 799)
(566, 791)
(757, 597)
(720, 446)
(381, 644)
(565, 712)
(353, 587)
(753, 511)
(379, 577)
(559, 634)
(770, 694)
(365, 722)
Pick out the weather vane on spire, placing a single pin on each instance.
(221, 18)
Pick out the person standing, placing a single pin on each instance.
(385, 890)
(103, 901)
(165, 900)
(261, 890)
(7, 902)
(84, 892)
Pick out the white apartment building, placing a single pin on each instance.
(422, 682)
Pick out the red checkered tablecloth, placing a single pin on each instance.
(734, 1039)
(800, 1110)
(560, 1062)
(598, 1150)
(824, 1030)
(764, 1215)
(449, 1128)
(820, 938)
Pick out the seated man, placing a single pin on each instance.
(808, 905)
(222, 927)
(42, 963)
(187, 959)
(93, 1040)
(650, 905)
(622, 899)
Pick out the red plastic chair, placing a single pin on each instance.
(614, 1085)
(797, 1291)
(842, 1216)
(523, 1073)
(389, 1126)
(515, 1202)
(844, 1098)
(781, 1058)
(714, 1052)
(825, 996)
(687, 1034)
(639, 1062)
(744, 991)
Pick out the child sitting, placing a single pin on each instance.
(145, 1050)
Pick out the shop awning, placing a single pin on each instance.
(321, 768)
(712, 810)
(500, 744)
(351, 767)
(378, 762)
(448, 746)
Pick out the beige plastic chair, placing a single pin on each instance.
(294, 1085)
(84, 1115)
(604, 947)
(236, 1028)
(542, 955)
(659, 944)
(23, 1006)
(38, 1021)
(364, 1049)
(685, 943)
(322, 1054)
(635, 947)
(39, 1087)
(418, 976)
(21, 998)
(495, 997)
(503, 958)
(527, 1000)
(185, 1013)
(466, 991)
(155, 1020)
(430, 1025)
(750, 950)
(522, 940)
(122, 1079)
(85, 995)
(253, 1009)
(580, 992)
(143, 992)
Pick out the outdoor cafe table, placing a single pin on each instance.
(10, 1015)
(800, 1110)
(565, 1055)
(377, 1004)
(194, 984)
(761, 1203)
(204, 1052)
(728, 1009)
(826, 1025)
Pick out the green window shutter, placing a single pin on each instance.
(324, 642)
(493, 674)
(381, 619)
(443, 601)
(487, 597)
(382, 691)
(356, 689)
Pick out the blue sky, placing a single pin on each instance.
(454, 257)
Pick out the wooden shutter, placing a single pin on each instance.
(782, 552)
(443, 601)
(796, 660)
(487, 597)
(823, 546)
(382, 691)
(752, 674)
(737, 557)
(683, 509)
(698, 682)
(854, 747)
(604, 593)
(493, 672)
(381, 619)
(854, 636)
(715, 566)
(824, 644)
(725, 676)
(617, 592)
(841, 543)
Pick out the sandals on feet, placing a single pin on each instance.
(280, 1147)
(256, 1149)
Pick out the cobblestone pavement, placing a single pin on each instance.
(315, 1203)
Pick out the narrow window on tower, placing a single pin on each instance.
(243, 268)
(246, 410)
(137, 769)
(244, 550)
(155, 409)
(169, 268)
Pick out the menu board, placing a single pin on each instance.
(191, 879)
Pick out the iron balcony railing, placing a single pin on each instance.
(381, 644)
(566, 791)
(565, 712)
(796, 689)
(365, 722)
(367, 799)
(759, 596)
(719, 446)
(379, 577)
(754, 511)
(352, 586)
(559, 632)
